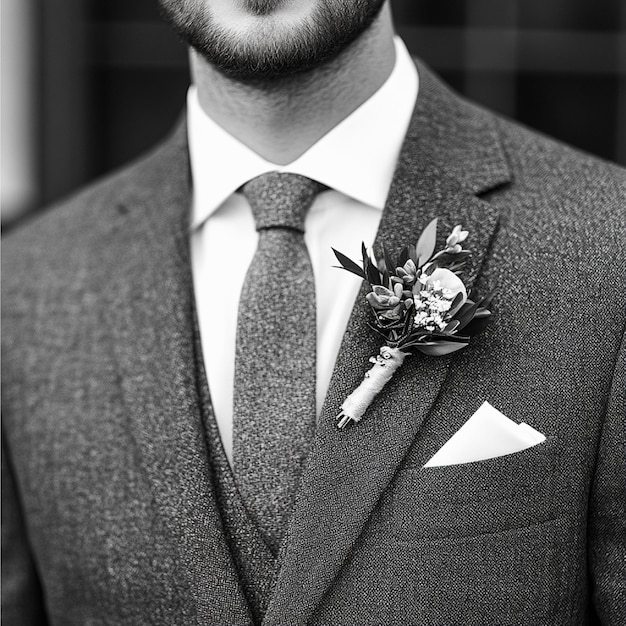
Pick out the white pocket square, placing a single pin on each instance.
(486, 434)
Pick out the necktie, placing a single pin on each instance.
(274, 395)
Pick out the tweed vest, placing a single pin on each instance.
(256, 566)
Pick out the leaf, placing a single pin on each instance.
(386, 280)
(453, 262)
(349, 264)
(476, 326)
(404, 256)
(452, 326)
(431, 268)
(388, 260)
(457, 303)
(384, 274)
(439, 348)
(426, 243)
(373, 275)
(365, 256)
(466, 314)
(440, 336)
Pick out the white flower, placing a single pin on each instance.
(433, 299)
(445, 281)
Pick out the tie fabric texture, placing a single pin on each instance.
(274, 410)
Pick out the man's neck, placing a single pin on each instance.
(282, 119)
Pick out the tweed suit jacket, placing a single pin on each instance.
(109, 511)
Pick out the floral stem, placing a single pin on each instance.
(386, 363)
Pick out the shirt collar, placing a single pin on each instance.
(357, 157)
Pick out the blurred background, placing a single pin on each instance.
(89, 84)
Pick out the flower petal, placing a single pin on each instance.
(447, 280)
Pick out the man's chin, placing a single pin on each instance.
(271, 49)
(257, 68)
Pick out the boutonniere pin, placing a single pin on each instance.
(418, 303)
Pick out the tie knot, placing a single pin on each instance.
(280, 199)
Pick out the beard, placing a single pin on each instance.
(262, 7)
(271, 51)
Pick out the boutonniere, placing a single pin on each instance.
(418, 303)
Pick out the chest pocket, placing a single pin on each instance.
(469, 499)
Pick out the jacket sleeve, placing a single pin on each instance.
(22, 598)
(607, 512)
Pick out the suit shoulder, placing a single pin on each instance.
(60, 239)
(77, 217)
(562, 180)
(566, 205)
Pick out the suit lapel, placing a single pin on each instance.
(151, 320)
(451, 153)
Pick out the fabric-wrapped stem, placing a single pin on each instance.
(386, 363)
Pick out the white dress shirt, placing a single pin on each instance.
(356, 160)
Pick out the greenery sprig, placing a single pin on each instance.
(417, 298)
